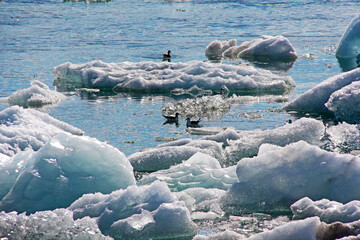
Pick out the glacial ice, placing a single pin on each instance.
(343, 137)
(64, 169)
(169, 154)
(248, 142)
(150, 211)
(279, 176)
(38, 95)
(314, 100)
(22, 129)
(167, 76)
(349, 45)
(328, 211)
(57, 224)
(263, 48)
(200, 170)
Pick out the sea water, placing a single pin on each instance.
(36, 36)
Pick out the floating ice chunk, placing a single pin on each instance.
(314, 99)
(349, 45)
(344, 103)
(168, 154)
(200, 170)
(226, 235)
(214, 132)
(280, 176)
(344, 137)
(57, 224)
(63, 170)
(248, 142)
(38, 95)
(216, 48)
(167, 76)
(22, 129)
(137, 212)
(328, 211)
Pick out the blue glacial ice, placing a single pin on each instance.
(38, 95)
(61, 171)
(137, 212)
(167, 76)
(22, 129)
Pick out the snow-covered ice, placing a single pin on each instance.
(150, 211)
(57, 224)
(349, 44)
(328, 211)
(279, 176)
(343, 137)
(22, 129)
(167, 76)
(64, 169)
(38, 95)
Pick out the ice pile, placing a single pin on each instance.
(328, 211)
(343, 137)
(138, 212)
(349, 45)
(64, 169)
(200, 170)
(333, 93)
(264, 48)
(279, 176)
(38, 95)
(247, 143)
(22, 129)
(167, 76)
(57, 224)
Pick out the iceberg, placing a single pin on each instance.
(22, 129)
(64, 169)
(200, 170)
(150, 211)
(328, 211)
(167, 76)
(38, 95)
(216, 48)
(57, 224)
(248, 142)
(314, 100)
(279, 176)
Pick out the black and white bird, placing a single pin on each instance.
(167, 55)
(192, 123)
(172, 118)
(219, 93)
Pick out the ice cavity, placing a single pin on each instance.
(263, 48)
(167, 76)
(169, 154)
(328, 211)
(349, 45)
(314, 100)
(150, 211)
(38, 95)
(248, 142)
(57, 224)
(200, 170)
(22, 129)
(279, 176)
(64, 169)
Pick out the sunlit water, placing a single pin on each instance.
(36, 36)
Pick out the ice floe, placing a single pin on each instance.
(167, 76)
(343, 137)
(57, 224)
(314, 100)
(150, 211)
(328, 211)
(200, 170)
(22, 129)
(263, 48)
(279, 176)
(38, 95)
(64, 169)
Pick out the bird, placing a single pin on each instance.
(167, 55)
(218, 93)
(172, 118)
(192, 123)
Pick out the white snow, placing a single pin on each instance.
(64, 169)
(328, 211)
(167, 76)
(314, 100)
(349, 45)
(22, 129)
(279, 176)
(38, 95)
(137, 212)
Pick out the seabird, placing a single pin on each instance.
(167, 56)
(192, 123)
(219, 93)
(172, 118)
